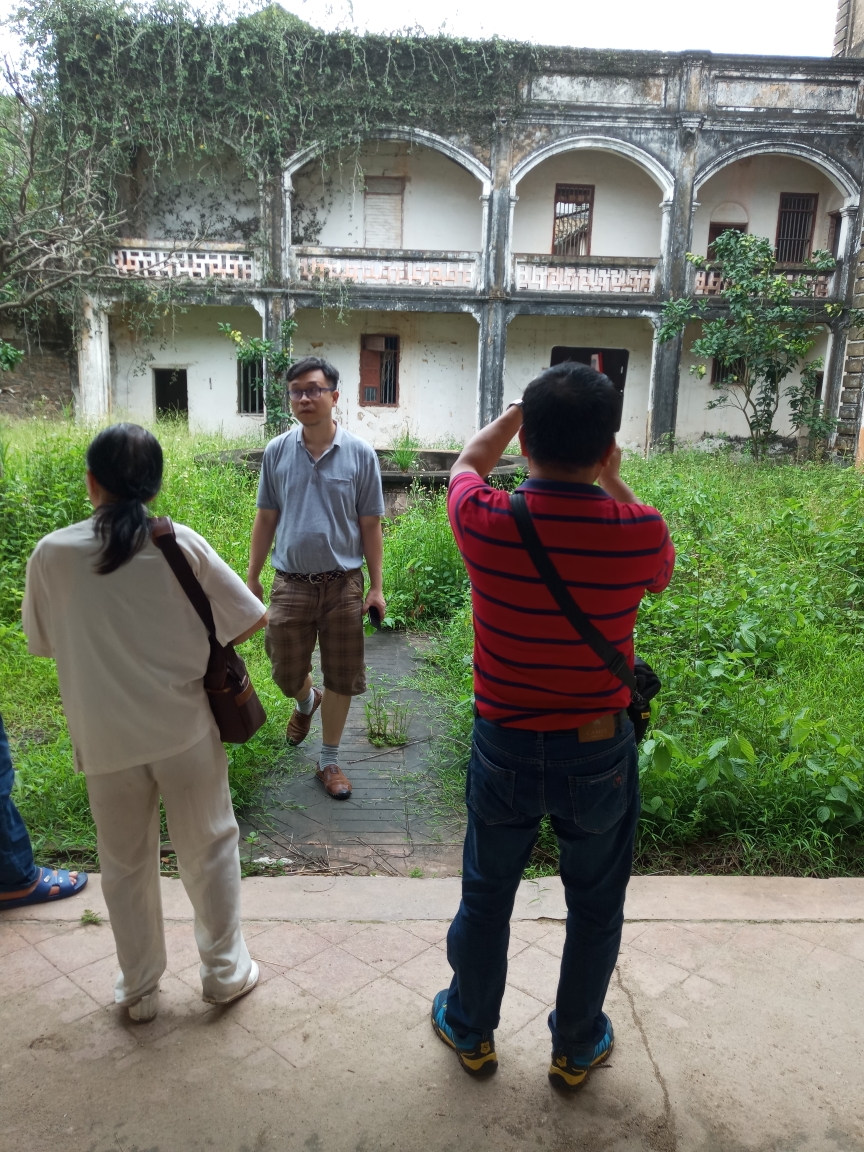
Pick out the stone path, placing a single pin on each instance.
(389, 825)
(737, 1007)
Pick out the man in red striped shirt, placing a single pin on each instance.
(551, 732)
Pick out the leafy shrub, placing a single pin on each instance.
(424, 577)
(758, 641)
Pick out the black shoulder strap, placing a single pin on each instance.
(162, 534)
(612, 657)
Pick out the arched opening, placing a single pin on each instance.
(588, 202)
(391, 194)
(787, 198)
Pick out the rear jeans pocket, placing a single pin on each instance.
(599, 802)
(490, 789)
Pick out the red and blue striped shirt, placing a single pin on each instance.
(531, 670)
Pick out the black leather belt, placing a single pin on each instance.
(312, 577)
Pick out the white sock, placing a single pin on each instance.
(329, 755)
(304, 707)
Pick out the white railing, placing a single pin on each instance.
(588, 274)
(388, 268)
(161, 259)
(709, 281)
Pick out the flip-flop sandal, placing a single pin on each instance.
(42, 894)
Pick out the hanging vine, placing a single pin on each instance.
(181, 116)
(166, 81)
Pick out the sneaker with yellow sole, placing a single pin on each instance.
(568, 1075)
(476, 1051)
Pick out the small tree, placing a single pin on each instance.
(56, 227)
(762, 336)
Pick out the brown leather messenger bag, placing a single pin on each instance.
(236, 707)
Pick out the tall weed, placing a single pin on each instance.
(754, 761)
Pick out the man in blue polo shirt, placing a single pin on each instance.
(320, 497)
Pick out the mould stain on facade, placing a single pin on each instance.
(457, 255)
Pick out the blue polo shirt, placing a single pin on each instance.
(319, 502)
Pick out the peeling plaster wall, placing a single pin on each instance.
(755, 184)
(530, 340)
(437, 371)
(694, 417)
(195, 345)
(626, 219)
(441, 207)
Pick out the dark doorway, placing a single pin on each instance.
(172, 398)
(612, 362)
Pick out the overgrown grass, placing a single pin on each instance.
(753, 763)
(42, 488)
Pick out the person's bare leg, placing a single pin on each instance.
(303, 694)
(334, 713)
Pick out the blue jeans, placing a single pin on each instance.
(591, 793)
(17, 868)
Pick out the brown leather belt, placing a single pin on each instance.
(312, 577)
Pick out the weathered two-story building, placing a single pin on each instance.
(463, 270)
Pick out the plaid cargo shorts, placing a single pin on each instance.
(331, 613)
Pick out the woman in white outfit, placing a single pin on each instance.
(131, 654)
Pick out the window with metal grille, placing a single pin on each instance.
(250, 387)
(379, 370)
(574, 204)
(795, 227)
(727, 371)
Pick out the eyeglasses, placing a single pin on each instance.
(312, 393)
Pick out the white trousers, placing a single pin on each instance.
(125, 805)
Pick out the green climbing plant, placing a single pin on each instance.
(277, 357)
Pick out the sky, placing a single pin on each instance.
(772, 27)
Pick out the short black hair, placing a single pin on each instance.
(314, 364)
(570, 414)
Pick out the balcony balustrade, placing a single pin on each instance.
(388, 268)
(167, 259)
(631, 276)
(709, 281)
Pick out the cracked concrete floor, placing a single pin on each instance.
(738, 1026)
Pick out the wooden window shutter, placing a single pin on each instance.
(370, 370)
(383, 212)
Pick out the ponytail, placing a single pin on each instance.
(126, 460)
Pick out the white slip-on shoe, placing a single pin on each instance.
(145, 1009)
(251, 981)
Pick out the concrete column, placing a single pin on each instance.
(677, 229)
(273, 309)
(844, 376)
(272, 255)
(497, 254)
(94, 364)
(491, 352)
(492, 315)
(674, 282)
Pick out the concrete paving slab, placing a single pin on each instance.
(732, 1034)
(696, 900)
(389, 824)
